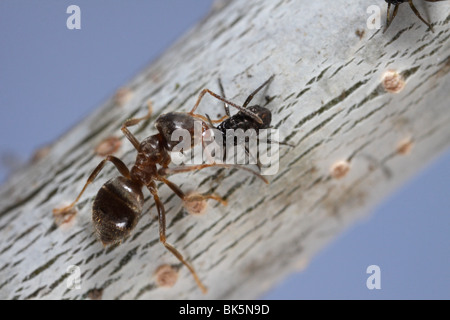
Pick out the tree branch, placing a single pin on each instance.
(358, 132)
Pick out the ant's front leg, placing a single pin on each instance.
(191, 197)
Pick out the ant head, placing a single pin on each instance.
(176, 127)
(264, 114)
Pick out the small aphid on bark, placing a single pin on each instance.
(64, 219)
(393, 82)
(123, 95)
(95, 294)
(196, 203)
(166, 276)
(405, 146)
(107, 146)
(340, 169)
(40, 153)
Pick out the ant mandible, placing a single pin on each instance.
(396, 3)
(119, 203)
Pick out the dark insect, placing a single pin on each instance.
(396, 3)
(244, 121)
(119, 203)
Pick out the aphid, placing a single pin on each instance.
(244, 121)
(119, 203)
(396, 3)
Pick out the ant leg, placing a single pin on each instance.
(132, 122)
(387, 16)
(180, 169)
(418, 15)
(215, 95)
(162, 234)
(250, 97)
(194, 197)
(119, 165)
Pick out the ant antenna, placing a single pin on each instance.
(250, 97)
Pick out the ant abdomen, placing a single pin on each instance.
(169, 122)
(116, 209)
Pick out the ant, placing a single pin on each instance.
(243, 120)
(396, 3)
(119, 203)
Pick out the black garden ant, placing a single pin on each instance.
(396, 3)
(119, 203)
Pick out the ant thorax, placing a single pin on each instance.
(150, 153)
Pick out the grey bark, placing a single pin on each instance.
(328, 100)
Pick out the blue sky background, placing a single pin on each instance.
(51, 78)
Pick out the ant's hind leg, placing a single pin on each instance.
(117, 163)
(413, 8)
(162, 234)
(191, 197)
(135, 121)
